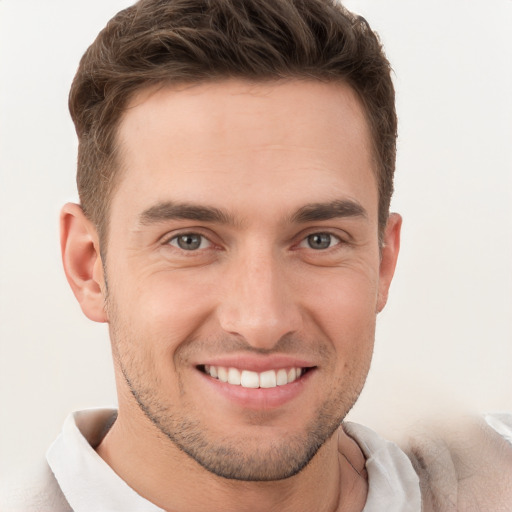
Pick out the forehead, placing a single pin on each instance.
(214, 141)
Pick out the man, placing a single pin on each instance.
(235, 171)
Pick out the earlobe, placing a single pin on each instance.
(389, 256)
(82, 261)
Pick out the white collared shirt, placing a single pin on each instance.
(87, 481)
(75, 478)
(91, 485)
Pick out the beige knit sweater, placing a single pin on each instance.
(465, 466)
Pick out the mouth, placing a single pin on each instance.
(254, 380)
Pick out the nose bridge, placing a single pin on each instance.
(258, 304)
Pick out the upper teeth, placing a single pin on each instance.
(248, 379)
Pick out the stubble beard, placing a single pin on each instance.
(228, 457)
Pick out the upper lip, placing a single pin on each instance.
(257, 363)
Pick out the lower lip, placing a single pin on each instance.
(259, 398)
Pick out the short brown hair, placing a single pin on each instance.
(186, 41)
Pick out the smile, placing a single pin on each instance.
(251, 379)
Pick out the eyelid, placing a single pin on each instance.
(203, 239)
(168, 237)
(343, 236)
(303, 241)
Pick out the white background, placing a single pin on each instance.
(445, 340)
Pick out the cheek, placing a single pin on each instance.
(346, 311)
(164, 308)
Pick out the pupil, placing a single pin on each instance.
(189, 242)
(319, 241)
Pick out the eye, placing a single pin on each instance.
(190, 242)
(320, 241)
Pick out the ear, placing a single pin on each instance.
(389, 256)
(82, 261)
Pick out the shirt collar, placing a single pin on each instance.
(87, 481)
(393, 484)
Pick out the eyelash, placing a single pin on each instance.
(302, 243)
(177, 237)
(332, 237)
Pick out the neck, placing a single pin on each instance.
(152, 465)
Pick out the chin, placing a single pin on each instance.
(259, 454)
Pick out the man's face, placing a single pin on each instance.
(243, 245)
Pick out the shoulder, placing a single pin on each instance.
(33, 490)
(464, 464)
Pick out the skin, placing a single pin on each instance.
(256, 293)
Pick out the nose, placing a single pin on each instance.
(258, 302)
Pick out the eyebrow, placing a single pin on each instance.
(170, 210)
(325, 211)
